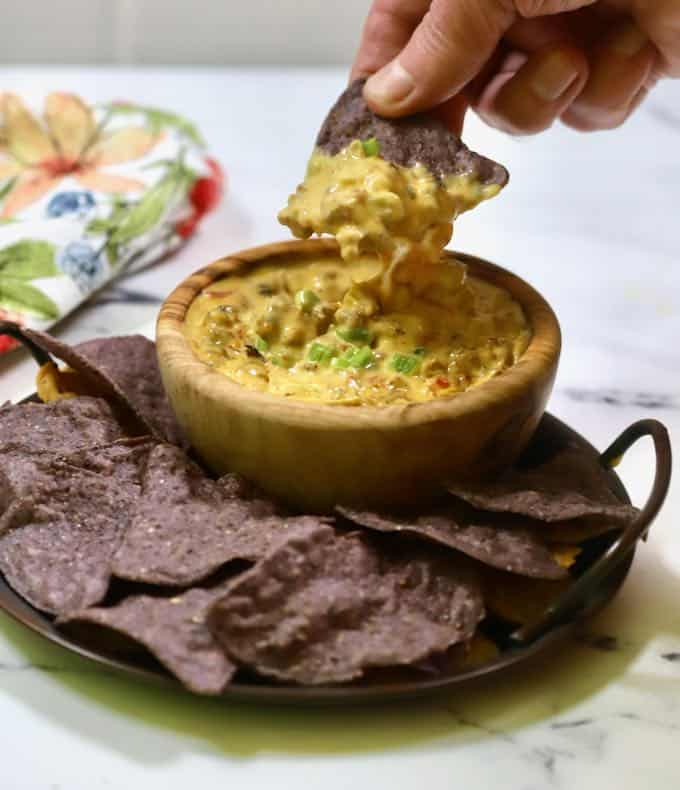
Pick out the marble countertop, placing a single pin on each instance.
(592, 222)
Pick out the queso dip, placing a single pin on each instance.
(318, 329)
(388, 321)
(403, 214)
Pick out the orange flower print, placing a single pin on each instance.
(69, 143)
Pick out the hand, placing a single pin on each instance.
(521, 64)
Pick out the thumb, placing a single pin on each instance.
(450, 46)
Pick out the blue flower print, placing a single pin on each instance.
(75, 202)
(83, 265)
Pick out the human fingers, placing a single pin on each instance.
(387, 29)
(531, 95)
(521, 107)
(452, 112)
(620, 68)
(448, 49)
(660, 20)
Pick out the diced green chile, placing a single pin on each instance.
(355, 334)
(371, 146)
(355, 358)
(407, 364)
(306, 299)
(318, 352)
(261, 344)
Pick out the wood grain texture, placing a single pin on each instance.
(317, 455)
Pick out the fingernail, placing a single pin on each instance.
(628, 40)
(391, 85)
(554, 77)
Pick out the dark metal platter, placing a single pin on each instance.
(597, 578)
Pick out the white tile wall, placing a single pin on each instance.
(44, 31)
(180, 31)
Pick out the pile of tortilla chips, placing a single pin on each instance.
(107, 522)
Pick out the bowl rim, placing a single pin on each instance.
(538, 361)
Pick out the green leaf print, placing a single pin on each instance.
(159, 119)
(98, 225)
(28, 259)
(112, 252)
(104, 225)
(7, 187)
(141, 217)
(144, 215)
(19, 295)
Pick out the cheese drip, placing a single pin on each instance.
(404, 215)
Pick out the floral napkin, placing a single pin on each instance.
(89, 192)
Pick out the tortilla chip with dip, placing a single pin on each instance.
(385, 185)
(421, 138)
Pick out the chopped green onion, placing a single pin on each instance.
(419, 351)
(405, 363)
(355, 334)
(343, 360)
(261, 344)
(305, 300)
(362, 357)
(354, 358)
(371, 146)
(318, 352)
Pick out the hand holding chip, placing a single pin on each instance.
(521, 64)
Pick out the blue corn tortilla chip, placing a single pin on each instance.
(570, 484)
(416, 139)
(63, 519)
(132, 365)
(57, 427)
(575, 531)
(125, 371)
(172, 629)
(324, 607)
(512, 549)
(32, 434)
(186, 525)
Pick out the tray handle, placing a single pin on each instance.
(575, 597)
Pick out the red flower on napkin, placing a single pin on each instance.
(205, 194)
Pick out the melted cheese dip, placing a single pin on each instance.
(372, 205)
(317, 329)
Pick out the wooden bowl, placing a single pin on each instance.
(316, 455)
